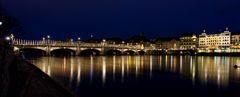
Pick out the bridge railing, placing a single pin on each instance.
(18, 42)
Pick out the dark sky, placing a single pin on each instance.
(123, 18)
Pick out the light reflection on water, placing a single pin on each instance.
(203, 69)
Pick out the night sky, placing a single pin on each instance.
(122, 18)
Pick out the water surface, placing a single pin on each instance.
(119, 76)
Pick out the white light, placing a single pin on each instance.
(43, 38)
(11, 36)
(7, 38)
(79, 38)
(1, 23)
(48, 36)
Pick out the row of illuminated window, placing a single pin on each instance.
(214, 43)
(213, 40)
(187, 46)
(209, 38)
(188, 43)
(235, 40)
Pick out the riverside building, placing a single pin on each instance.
(215, 41)
(235, 41)
(188, 41)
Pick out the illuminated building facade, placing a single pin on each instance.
(235, 41)
(167, 43)
(215, 41)
(188, 41)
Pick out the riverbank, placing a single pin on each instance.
(20, 78)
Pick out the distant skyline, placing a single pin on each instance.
(122, 18)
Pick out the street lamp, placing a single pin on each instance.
(1, 27)
(48, 39)
(103, 41)
(7, 38)
(48, 36)
(43, 40)
(79, 38)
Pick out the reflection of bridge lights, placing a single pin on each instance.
(123, 68)
(104, 70)
(79, 74)
(91, 68)
(181, 63)
(114, 66)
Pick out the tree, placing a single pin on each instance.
(9, 25)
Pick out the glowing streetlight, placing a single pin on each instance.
(79, 38)
(43, 38)
(1, 23)
(48, 36)
(7, 38)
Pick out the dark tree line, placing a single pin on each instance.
(9, 25)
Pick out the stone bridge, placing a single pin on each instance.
(50, 47)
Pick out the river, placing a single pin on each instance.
(121, 76)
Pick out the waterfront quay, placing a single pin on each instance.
(224, 43)
(48, 48)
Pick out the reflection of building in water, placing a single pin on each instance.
(235, 72)
(193, 68)
(185, 66)
(214, 70)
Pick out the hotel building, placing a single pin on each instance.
(215, 41)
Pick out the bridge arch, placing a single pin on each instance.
(63, 52)
(32, 52)
(141, 52)
(88, 52)
(129, 52)
(113, 52)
